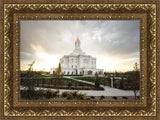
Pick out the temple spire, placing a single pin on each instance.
(77, 44)
(77, 39)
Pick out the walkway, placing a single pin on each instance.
(108, 91)
(82, 81)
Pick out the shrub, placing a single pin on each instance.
(122, 84)
(125, 97)
(92, 97)
(81, 96)
(48, 94)
(69, 96)
(55, 93)
(29, 94)
(102, 97)
(75, 94)
(88, 99)
(64, 94)
(114, 97)
(39, 93)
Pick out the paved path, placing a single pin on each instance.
(90, 83)
(108, 91)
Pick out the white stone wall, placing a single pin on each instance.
(81, 64)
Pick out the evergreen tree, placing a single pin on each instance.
(97, 81)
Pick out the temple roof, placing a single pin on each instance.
(78, 52)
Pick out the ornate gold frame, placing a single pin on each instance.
(11, 14)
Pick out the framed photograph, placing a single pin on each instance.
(79, 59)
(45, 65)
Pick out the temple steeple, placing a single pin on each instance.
(77, 50)
(77, 44)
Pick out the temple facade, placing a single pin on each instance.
(79, 63)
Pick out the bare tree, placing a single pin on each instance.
(135, 80)
(29, 82)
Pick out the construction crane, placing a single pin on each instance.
(31, 65)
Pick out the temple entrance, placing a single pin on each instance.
(89, 72)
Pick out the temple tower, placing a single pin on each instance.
(77, 44)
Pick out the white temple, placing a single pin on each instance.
(79, 63)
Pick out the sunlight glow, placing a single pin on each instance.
(45, 62)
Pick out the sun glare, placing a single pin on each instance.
(45, 61)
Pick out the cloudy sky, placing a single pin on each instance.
(114, 43)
